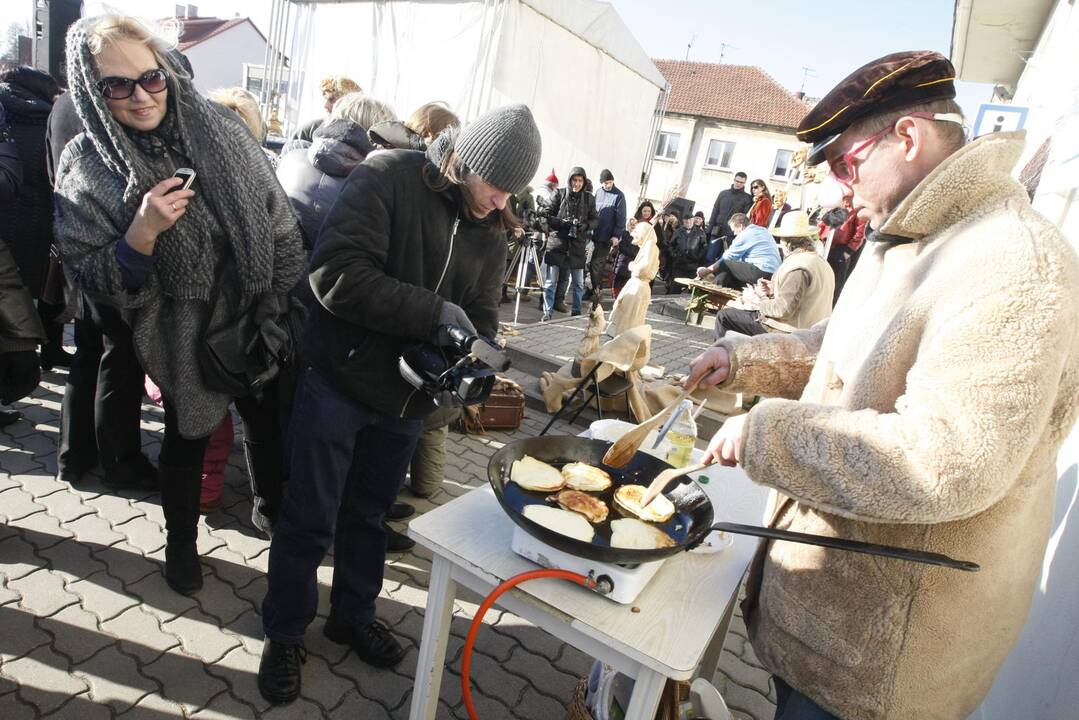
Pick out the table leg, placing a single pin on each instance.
(710, 659)
(436, 630)
(647, 691)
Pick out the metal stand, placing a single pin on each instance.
(525, 256)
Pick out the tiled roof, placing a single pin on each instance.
(730, 92)
(196, 30)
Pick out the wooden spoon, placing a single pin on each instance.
(623, 449)
(664, 479)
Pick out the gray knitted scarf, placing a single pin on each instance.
(185, 252)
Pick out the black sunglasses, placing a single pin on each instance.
(119, 88)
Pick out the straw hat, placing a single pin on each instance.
(794, 224)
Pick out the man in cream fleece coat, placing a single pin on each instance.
(926, 412)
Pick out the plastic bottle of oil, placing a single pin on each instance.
(682, 436)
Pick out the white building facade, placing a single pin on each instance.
(722, 120)
(696, 158)
(230, 55)
(1030, 50)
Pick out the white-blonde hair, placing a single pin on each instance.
(160, 37)
(244, 104)
(361, 109)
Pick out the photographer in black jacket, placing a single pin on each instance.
(572, 217)
(733, 200)
(413, 245)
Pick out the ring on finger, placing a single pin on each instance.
(173, 206)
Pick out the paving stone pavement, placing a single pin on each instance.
(674, 343)
(90, 630)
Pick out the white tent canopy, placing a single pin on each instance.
(589, 84)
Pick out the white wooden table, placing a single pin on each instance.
(680, 610)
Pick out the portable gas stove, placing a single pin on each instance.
(621, 583)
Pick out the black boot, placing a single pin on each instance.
(280, 671)
(397, 541)
(52, 351)
(180, 489)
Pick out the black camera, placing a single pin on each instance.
(535, 222)
(574, 226)
(461, 373)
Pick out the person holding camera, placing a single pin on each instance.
(178, 266)
(572, 217)
(412, 250)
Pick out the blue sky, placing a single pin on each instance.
(782, 36)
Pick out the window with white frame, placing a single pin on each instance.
(782, 164)
(667, 145)
(719, 154)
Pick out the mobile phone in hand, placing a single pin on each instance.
(188, 177)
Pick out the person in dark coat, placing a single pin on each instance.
(611, 220)
(666, 226)
(313, 177)
(20, 334)
(414, 246)
(688, 249)
(625, 251)
(20, 328)
(572, 217)
(10, 163)
(27, 95)
(733, 200)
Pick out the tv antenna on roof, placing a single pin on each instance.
(806, 73)
(723, 50)
(690, 45)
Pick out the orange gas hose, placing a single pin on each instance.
(470, 639)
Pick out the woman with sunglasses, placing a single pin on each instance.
(178, 263)
(762, 204)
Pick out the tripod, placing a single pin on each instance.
(524, 258)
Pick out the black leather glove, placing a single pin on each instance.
(20, 372)
(451, 315)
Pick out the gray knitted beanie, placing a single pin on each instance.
(503, 147)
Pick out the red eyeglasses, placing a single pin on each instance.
(845, 169)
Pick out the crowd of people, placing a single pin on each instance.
(583, 242)
(210, 273)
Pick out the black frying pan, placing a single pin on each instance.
(693, 516)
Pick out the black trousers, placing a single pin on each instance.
(746, 322)
(737, 274)
(597, 267)
(102, 405)
(263, 445)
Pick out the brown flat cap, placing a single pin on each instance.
(894, 81)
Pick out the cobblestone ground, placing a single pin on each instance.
(674, 343)
(88, 628)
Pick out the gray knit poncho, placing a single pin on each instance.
(238, 239)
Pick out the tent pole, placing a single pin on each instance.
(263, 104)
(650, 151)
